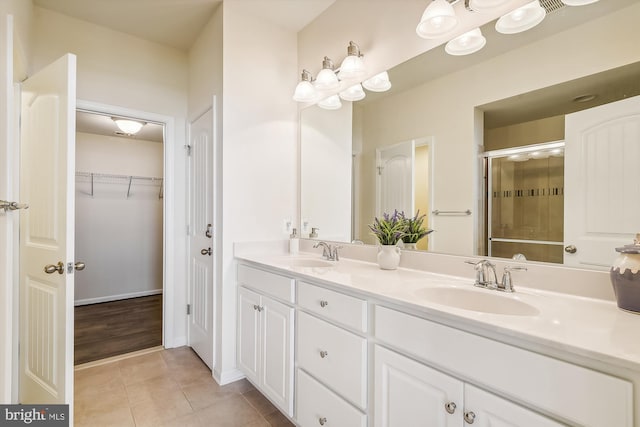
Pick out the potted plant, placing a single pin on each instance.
(389, 230)
(414, 229)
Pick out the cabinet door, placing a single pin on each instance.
(276, 374)
(408, 393)
(249, 333)
(490, 410)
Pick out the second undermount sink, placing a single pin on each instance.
(479, 300)
(308, 262)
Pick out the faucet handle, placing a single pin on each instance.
(506, 284)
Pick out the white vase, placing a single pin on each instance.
(388, 257)
(411, 246)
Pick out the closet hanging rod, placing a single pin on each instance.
(116, 176)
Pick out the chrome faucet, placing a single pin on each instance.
(329, 252)
(486, 276)
(506, 285)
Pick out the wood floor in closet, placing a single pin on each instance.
(112, 328)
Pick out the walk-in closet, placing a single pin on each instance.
(119, 237)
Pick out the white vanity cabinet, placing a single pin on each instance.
(265, 334)
(408, 392)
(331, 355)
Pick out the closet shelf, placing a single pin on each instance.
(121, 179)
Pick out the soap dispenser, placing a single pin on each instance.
(294, 242)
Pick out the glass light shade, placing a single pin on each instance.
(467, 43)
(540, 154)
(130, 127)
(578, 2)
(518, 158)
(353, 93)
(327, 80)
(352, 68)
(305, 92)
(330, 103)
(521, 19)
(438, 19)
(485, 5)
(378, 83)
(557, 152)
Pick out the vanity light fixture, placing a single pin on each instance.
(438, 20)
(327, 79)
(352, 67)
(484, 5)
(578, 2)
(305, 91)
(378, 83)
(128, 126)
(521, 19)
(466, 44)
(353, 93)
(330, 103)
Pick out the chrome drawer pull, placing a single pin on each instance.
(323, 353)
(323, 304)
(322, 421)
(450, 407)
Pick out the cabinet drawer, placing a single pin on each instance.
(319, 406)
(267, 283)
(531, 378)
(334, 356)
(341, 308)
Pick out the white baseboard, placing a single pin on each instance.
(228, 377)
(117, 297)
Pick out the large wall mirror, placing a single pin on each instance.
(461, 125)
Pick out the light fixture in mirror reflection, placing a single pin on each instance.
(502, 97)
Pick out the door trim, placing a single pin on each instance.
(169, 242)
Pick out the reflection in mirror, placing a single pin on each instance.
(514, 93)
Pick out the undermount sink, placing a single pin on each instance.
(308, 262)
(480, 300)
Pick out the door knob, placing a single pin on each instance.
(206, 251)
(50, 268)
(79, 266)
(570, 249)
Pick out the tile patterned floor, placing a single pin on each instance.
(167, 388)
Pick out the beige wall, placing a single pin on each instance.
(534, 132)
(421, 189)
(445, 109)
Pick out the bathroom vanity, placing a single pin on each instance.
(347, 344)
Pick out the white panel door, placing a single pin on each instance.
(249, 333)
(201, 243)
(395, 178)
(408, 393)
(602, 195)
(488, 410)
(47, 180)
(276, 375)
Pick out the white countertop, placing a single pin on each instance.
(591, 328)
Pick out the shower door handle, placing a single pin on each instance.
(571, 249)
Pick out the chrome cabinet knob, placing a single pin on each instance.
(450, 407)
(50, 268)
(206, 251)
(323, 353)
(322, 420)
(323, 304)
(469, 417)
(571, 249)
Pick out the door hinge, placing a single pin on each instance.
(188, 148)
(188, 309)
(380, 168)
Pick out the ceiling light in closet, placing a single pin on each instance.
(466, 44)
(521, 19)
(378, 83)
(352, 67)
(305, 91)
(438, 19)
(128, 126)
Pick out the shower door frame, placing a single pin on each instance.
(488, 157)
